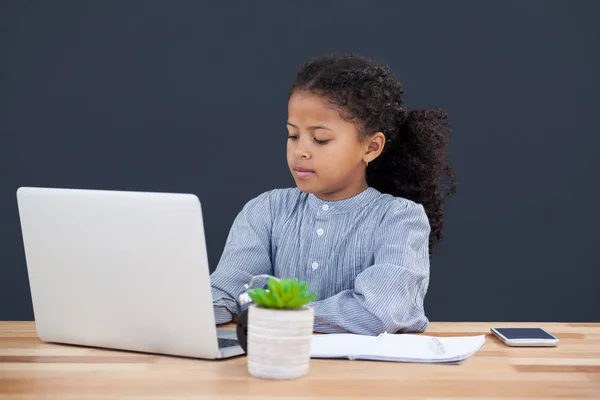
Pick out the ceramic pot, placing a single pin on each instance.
(279, 342)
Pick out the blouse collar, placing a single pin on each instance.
(355, 202)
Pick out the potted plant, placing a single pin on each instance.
(280, 327)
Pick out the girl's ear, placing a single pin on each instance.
(374, 146)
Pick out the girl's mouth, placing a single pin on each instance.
(303, 173)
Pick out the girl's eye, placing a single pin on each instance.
(295, 137)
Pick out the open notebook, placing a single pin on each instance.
(396, 347)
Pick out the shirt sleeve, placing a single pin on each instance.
(387, 296)
(247, 252)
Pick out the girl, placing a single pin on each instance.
(366, 212)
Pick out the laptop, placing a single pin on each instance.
(121, 270)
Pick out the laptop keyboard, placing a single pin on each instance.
(227, 342)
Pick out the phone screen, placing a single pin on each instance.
(525, 333)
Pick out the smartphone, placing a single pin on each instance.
(525, 337)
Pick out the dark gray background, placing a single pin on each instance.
(190, 96)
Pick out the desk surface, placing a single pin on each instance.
(31, 369)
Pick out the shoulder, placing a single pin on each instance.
(400, 216)
(273, 202)
(286, 198)
(276, 198)
(393, 206)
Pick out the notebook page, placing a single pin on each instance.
(422, 348)
(337, 345)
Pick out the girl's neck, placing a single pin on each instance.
(343, 193)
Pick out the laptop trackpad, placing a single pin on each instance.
(226, 333)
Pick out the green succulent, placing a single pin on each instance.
(282, 294)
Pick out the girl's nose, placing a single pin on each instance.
(301, 153)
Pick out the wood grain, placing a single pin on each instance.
(32, 369)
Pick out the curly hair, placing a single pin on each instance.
(414, 161)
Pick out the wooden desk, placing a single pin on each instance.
(30, 369)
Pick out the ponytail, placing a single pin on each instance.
(415, 165)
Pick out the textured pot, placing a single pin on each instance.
(279, 342)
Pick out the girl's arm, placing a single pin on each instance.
(387, 296)
(247, 252)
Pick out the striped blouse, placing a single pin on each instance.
(367, 257)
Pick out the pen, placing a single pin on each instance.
(437, 346)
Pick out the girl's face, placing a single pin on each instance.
(324, 152)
